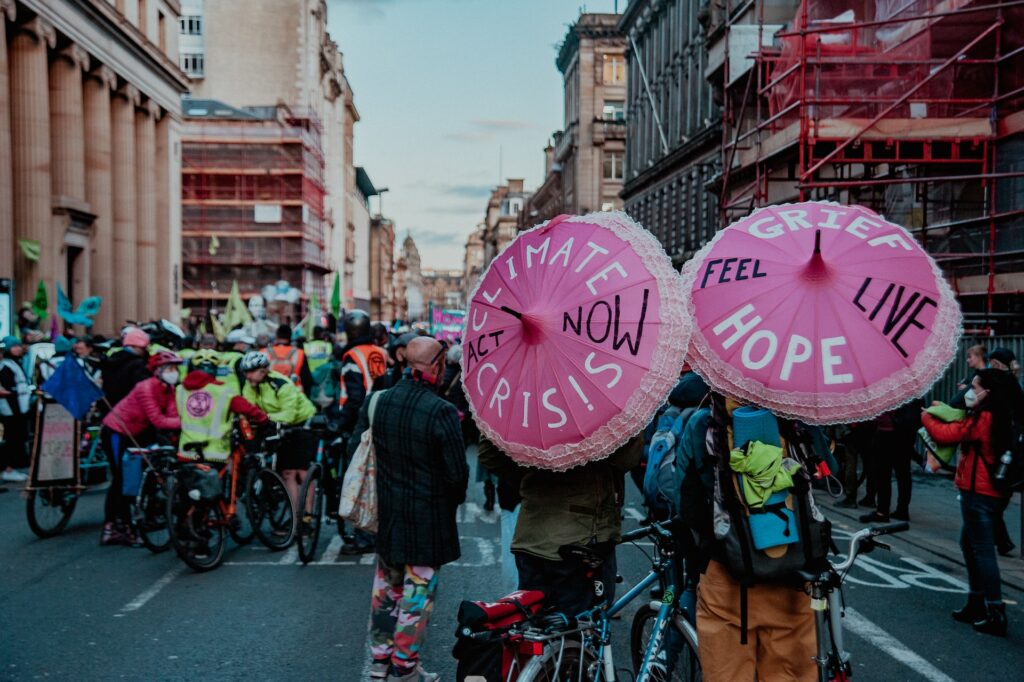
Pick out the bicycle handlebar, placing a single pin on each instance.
(867, 536)
(657, 528)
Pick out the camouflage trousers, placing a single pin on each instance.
(403, 599)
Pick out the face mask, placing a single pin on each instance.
(170, 377)
(970, 398)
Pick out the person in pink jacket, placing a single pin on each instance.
(148, 408)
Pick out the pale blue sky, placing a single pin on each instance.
(440, 86)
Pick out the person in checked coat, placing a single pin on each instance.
(421, 481)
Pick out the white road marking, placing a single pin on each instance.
(152, 591)
(876, 636)
(330, 554)
(277, 563)
(291, 556)
(486, 549)
(368, 560)
(471, 512)
(634, 513)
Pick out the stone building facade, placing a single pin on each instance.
(383, 303)
(501, 219)
(673, 148)
(584, 168)
(443, 289)
(409, 282)
(473, 261)
(89, 169)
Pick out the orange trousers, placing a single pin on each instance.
(780, 631)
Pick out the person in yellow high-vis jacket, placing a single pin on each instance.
(207, 408)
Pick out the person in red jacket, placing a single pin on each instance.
(148, 408)
(993, 402)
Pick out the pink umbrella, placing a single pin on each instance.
(574, 336)
(821, 312)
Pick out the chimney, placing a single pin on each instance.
(549, 159)
(515, 185)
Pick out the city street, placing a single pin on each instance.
(74, 610)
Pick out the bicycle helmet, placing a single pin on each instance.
(357, 326)
(161, 358)
(253, 360)
(205, 360)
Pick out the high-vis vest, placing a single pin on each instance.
(22, 390)
(288, 361)
(372, 363)
(227, 370)
(206, 417)
(318, 353)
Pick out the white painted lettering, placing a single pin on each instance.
(542, 250)
(545, 400)
(831, 223)
(893, 239)
(769, 232)
(526, 409)
(748, 349)
(610, 367)
(491, 297)
(798, 350)
(502, 392)
(594, 250)
(478, 327)
(580, 393)
(511, 268)
(480, 373)
(616, 266)
(564, 252)
(736, 322)
(795, 219)
(829, 361)
(858, 226)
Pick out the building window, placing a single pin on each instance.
(613, 166)
(614, 110)
(191, 25)
(614, 69)
(511, 206)
(192, 63)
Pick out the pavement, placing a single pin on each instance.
(935, 523)
(72, 610)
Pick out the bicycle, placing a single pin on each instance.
(203, 504)
(319, 491)
(48, 508)
(270, 507)
(149, 511)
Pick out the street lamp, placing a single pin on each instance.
(380, 200)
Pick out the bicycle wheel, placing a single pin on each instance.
(270, 510)
(196, 529)
(311, 497)
(563, 660)
(49, 510)
(150, 514)
(676, 658)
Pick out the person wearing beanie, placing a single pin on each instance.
(289, 360)
(124, 368)
(15, 392)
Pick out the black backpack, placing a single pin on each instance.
(732, 543)
(1007, 471)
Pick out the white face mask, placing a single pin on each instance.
(970, 398)
(170, 377)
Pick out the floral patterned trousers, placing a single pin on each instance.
(403, 599)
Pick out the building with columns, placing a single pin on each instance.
(501, 219)
(89, 170)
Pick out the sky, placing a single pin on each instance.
(452, 95)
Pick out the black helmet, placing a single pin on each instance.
(357, 325)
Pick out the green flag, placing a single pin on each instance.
(41, 303)
(336, 296)
(236, 313)
(31, 248)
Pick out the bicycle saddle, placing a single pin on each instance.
(591, 556)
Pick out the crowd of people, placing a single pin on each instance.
(420, 428)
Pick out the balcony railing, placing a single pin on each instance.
(609, 129)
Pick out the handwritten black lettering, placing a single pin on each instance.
(567, 322)
(625, 339)
(725, 269)
(860, 292)
(912, 320)
(708, 269)
(607, 324)
(740, 267)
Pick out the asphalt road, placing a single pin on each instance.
(72, 610)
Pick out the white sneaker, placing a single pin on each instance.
(13, 476)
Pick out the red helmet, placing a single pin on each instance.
(163, 357)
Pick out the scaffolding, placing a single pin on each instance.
(252, 205)
(909, 107)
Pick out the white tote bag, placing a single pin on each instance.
(359, 485)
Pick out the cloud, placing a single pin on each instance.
(475, 208)
(469, 136)
(501, 124)
(437, 238)
(468, 191)
(370, 9)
